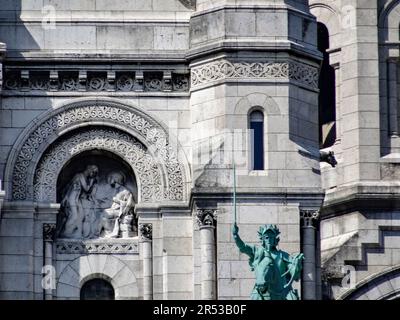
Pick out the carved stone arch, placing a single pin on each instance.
(38, 137)
(384, 285)
(252, 102)
(258, 100)
(389, 22)
(331, 18)
(107, 267)
(147, 171)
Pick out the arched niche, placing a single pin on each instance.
(389, 22)
(97, 289)
(54, 169)
(106, 161)
(50, 128)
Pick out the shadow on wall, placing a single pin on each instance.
(18, 35)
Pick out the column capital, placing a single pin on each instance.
(49, 231)
(146, 231)
(309, 218)
(206, 217)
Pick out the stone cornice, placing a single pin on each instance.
(373, 195)
(122, 80)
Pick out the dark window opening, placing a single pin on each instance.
(97, 289)
(327, 94)
(257, 140)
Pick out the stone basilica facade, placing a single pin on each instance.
(124, 126)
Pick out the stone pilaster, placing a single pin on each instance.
(2, 193)
(206, 219)
(146, 237)
(309, 221)
(49, 232)
(393, 96)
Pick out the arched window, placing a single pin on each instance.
(257, 140)
(327, 93)
(97, 289)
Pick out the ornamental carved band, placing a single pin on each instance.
(206, 217)
(224, 69)
(309, 218)
(115, 141)
(96, 247)
(146, 231)
(110, 114)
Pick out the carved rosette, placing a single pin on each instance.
(146, 231)
(49, 231)
(206, 217)
(271, 70)
(309, 218)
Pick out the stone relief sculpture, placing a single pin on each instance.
(77, 204)
(91, 210)
(119, 216)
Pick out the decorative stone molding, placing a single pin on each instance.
(309, 218)
(28, 149)
(146, 231)
(273, 70)
(206, 217)
(133, 152)
(96, 81)
(49, 231)
(113, 246)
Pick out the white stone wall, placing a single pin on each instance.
(104, 27)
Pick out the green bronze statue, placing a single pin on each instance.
(275, 270)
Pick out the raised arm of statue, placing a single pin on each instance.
(243, 247)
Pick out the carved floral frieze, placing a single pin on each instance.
(97, 246)
(273, 70)
(25, 80)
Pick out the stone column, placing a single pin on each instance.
(146, 236)
(393, 97)
(309, 220)
(2, 195)
(338, 105)
(49, 230)
(206, 219)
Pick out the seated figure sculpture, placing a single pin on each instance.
(275, 270)
(120, 212)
